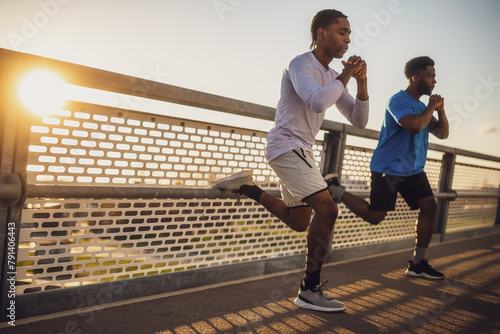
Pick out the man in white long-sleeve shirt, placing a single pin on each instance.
(309, 87)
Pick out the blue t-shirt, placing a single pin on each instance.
(398, 152)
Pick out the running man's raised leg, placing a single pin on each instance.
(357, 205)
(297, 218)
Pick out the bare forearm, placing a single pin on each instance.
(442, 129)
(362, 93)
(345, 76)
(416, 123)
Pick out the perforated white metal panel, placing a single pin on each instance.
(71, 242)
(94, 145)
(433, 171)
(356, 173)
(471, 213)
(465, 214)
(475, 178)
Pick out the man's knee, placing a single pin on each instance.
(428, 206)
(330, 212)
(375, 217)
(299, 218)
(298, 225)
(324, 206)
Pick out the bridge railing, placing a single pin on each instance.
(100, 204)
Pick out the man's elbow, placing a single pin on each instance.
(412, 128)
(440, 134)
(318, 107)
(360, 125)
(413, 131)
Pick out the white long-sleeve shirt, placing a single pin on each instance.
(307, 90)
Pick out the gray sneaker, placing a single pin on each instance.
(317, 300)
(235, 181)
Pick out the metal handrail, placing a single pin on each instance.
(58, 191)
(452, 195)
(10, 191)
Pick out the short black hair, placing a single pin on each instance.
(414, 65)
(323, 19)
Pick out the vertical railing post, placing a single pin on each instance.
(332, 163)
(8, 124)
(497, 219)
(14, 139)
(445, 183)
(333, 152)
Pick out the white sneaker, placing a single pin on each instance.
(334, 187)
(235, 181)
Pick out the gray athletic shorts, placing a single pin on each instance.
(299, 176)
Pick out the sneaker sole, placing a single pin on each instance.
(241, 177)
(300, 303)
(422, 275)
(229, 184)
(328, 176)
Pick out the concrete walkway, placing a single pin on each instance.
(379, 297)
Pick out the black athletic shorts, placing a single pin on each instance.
(385, 188)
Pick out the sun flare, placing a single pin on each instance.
(42, 92)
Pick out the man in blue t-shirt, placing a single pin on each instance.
(398, 161)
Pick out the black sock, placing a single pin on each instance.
(311, 279)
(252, 192)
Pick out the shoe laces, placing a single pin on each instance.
(320, 287)
(423, 263)
(429, 268)
(425, 266)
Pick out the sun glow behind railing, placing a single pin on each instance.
(42, 92)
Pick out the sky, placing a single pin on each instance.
(239, 48)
